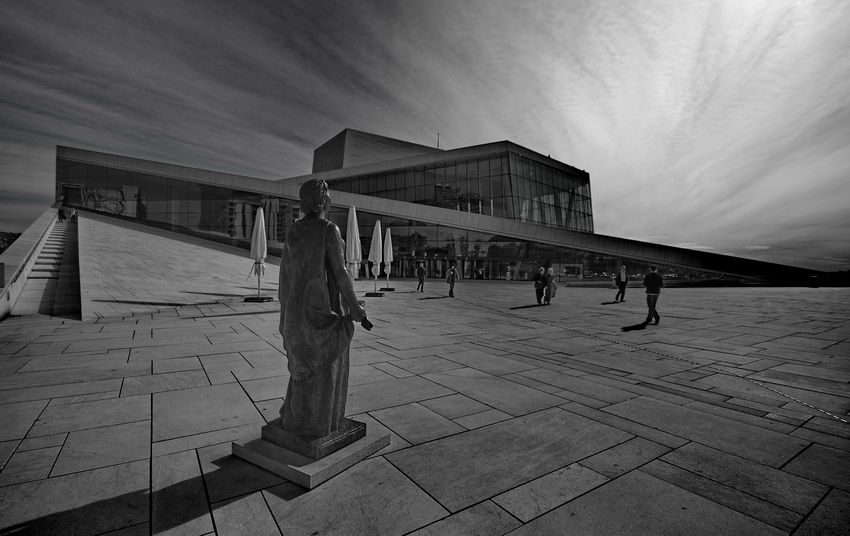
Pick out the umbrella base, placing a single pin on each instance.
(259, 299)
(388, 289)
(374, 294)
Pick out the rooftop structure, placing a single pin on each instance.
(497, 210)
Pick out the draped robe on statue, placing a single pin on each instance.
(316, 294)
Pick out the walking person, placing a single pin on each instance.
(539, 285)
(420, 274)
(621, 279)
(61, 214)
(451, 278)
(73, 214)
(550, 286)
(653, 283)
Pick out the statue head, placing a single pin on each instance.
(314, 196)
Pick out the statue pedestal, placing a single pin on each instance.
(305, 471)
(349, 432)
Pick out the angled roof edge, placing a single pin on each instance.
(595, 243)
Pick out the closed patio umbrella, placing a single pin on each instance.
(388, 256)
(259, 251)
(353, 249)
(376, 256)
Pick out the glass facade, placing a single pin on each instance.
(211, 212)
(226, 215)
(505, 185)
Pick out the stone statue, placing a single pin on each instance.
(318, 308)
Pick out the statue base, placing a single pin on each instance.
(375, 294)
(388, 289)
(259, 299)
(315, 448)
(304, 471)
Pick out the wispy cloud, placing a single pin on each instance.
(719, 125)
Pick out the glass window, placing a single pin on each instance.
(472, 169)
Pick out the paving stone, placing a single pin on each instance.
(637, 503)
(584, 386)
(392, 370)
(549, 491)
(467, 468)
(101, 447)
(757, 444)
(18, 418)
(743, 415)
(486, 362)
(494, 391)
(177, 496)
(227, 477)
(176, 365)
(387, 503)
(74, 376)
(485, 418)
(65, 400)
(71, 417)
(484, 519)
(389, 393)
(91, 502)
(823, 464)
(415, 423)
(204, 439)
(721, 494)
(455, 406)
(26, 466)
(640, 430)
(427, 364)
(775, 486)
(624, 457)
(169, 381)
(270, 409)
(202, 409)
(248, 514)
(396, 442)
(364, 374)
(831, 517)
(34, 443)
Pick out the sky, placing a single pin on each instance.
(721, 126)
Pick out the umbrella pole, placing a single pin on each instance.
(258, 284)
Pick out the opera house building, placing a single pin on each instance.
(497, 210)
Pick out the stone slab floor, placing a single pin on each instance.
(730, 417)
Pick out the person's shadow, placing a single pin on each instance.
(642, 325)
(434, 298)
(608, 303)
(524, 307)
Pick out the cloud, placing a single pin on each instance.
(720, 125)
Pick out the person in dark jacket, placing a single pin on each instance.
(539, 284)
(420, 274)
(653, 283)
(452, 278)
(621, 279)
